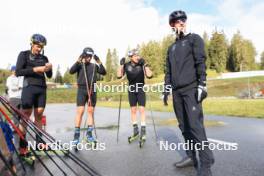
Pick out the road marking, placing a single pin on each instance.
(222, 142)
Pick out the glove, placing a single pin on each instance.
(123, 61)
(201, 93)
(141, 62)
(96, 58)
(165, 98)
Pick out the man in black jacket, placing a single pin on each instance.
(86, 79)
(34, 66)
(186, 74)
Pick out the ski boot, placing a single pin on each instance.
(135, 134)
(89, 138)
(27, 156)
(142, 138)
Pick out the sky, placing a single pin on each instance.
(71, 25)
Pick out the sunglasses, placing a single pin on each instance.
(180, 20)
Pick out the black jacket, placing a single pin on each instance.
(185, 62)
(24, 67)
(90, 68)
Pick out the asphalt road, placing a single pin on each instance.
(121, 158)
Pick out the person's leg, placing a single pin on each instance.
(23, 142)
(90, 108)
(142, 115)
(39, 107)
(38, 112)
(134, 120)
(133, 110)
(90, 127)
(133, 107)
(141, 100)
(78, 121)
(78, 117)
(179, 110)
(27, 99)
(90, 115)
(197, 131)
(81, 101)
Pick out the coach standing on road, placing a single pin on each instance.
(186, 74)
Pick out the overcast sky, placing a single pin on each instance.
(69, 25)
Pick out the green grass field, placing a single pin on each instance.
(215, 106)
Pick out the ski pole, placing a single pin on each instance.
(13, 145)
(37, 133)
(89, 93)
(119, 111)
(7, 164)
(90, 170)
(151, 113)
(153, 122)
(22, 137)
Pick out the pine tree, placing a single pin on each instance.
(152, 54)
(262, 60)
(58, 77)
(69, 78)
(242, 54)
(218, 52)
(166, 42)
(115, 64)
(206, 47)
(108, 65)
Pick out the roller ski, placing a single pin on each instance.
(51, 152)
(135, 134)
(142, 138)
(27, 157)
(89, 139)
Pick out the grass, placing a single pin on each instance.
(233, 87)
(235, 107)
(216, 106)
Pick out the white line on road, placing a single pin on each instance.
(221, 142)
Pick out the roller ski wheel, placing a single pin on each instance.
(90, 141)
(142, 141)
(52, 152)
(132, 138)
(29, 159)
(75, 142)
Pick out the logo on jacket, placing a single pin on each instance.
(183, 43)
